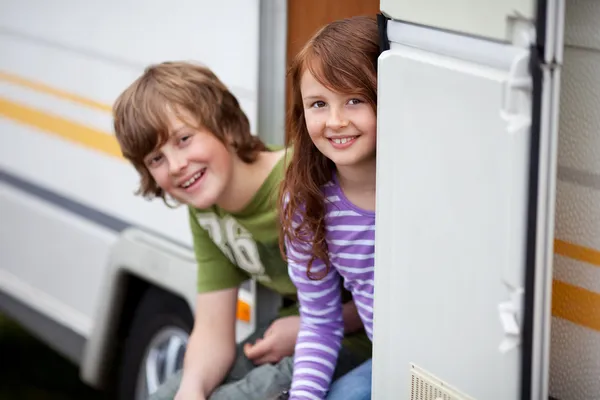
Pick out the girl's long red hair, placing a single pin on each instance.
(342, 56)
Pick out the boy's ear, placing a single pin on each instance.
(229, 141)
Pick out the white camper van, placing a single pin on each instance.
(488, 241)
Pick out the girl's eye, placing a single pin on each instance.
(318, 104)
(354, 101)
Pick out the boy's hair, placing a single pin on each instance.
(342, 56)
(141, 115)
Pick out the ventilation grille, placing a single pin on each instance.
(424, 386)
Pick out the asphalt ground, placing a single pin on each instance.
(30, 370)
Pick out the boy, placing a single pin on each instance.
(188, 138)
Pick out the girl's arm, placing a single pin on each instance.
(321, 325)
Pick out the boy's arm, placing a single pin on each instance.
(321, 325)
(211, 347)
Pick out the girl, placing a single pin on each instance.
(328, 198)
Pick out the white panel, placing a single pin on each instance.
(135, 33)
(488, 18)
(451, 210)
(95, 52)
(59, 278)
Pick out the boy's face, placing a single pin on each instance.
(342, 126)
(193, 166)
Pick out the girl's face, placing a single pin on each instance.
(342, 126)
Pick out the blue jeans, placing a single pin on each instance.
(355, 385)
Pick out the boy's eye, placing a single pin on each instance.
(354, 101)
(318, 104)
(154, 160)
(184, 139)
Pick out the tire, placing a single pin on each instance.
(159, 319)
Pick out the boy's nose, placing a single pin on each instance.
(177, 165)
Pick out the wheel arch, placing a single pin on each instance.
(138, 261)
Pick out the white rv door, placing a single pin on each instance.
(466, 153)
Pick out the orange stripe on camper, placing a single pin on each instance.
(575, 304)
(69, 130)
(43, 88)
(576, 252)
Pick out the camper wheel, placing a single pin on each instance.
(155, 345)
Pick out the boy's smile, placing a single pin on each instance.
(193, 181)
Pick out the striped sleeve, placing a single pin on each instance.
(321, 326)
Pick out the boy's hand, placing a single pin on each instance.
(278, 342)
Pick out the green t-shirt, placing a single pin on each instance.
(233, 247)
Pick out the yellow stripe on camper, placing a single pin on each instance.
(69, 130)
(43, 88)
(576, 252)
(575, 304)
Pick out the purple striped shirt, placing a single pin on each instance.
(350, 236)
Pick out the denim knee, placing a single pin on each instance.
(355, 385)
